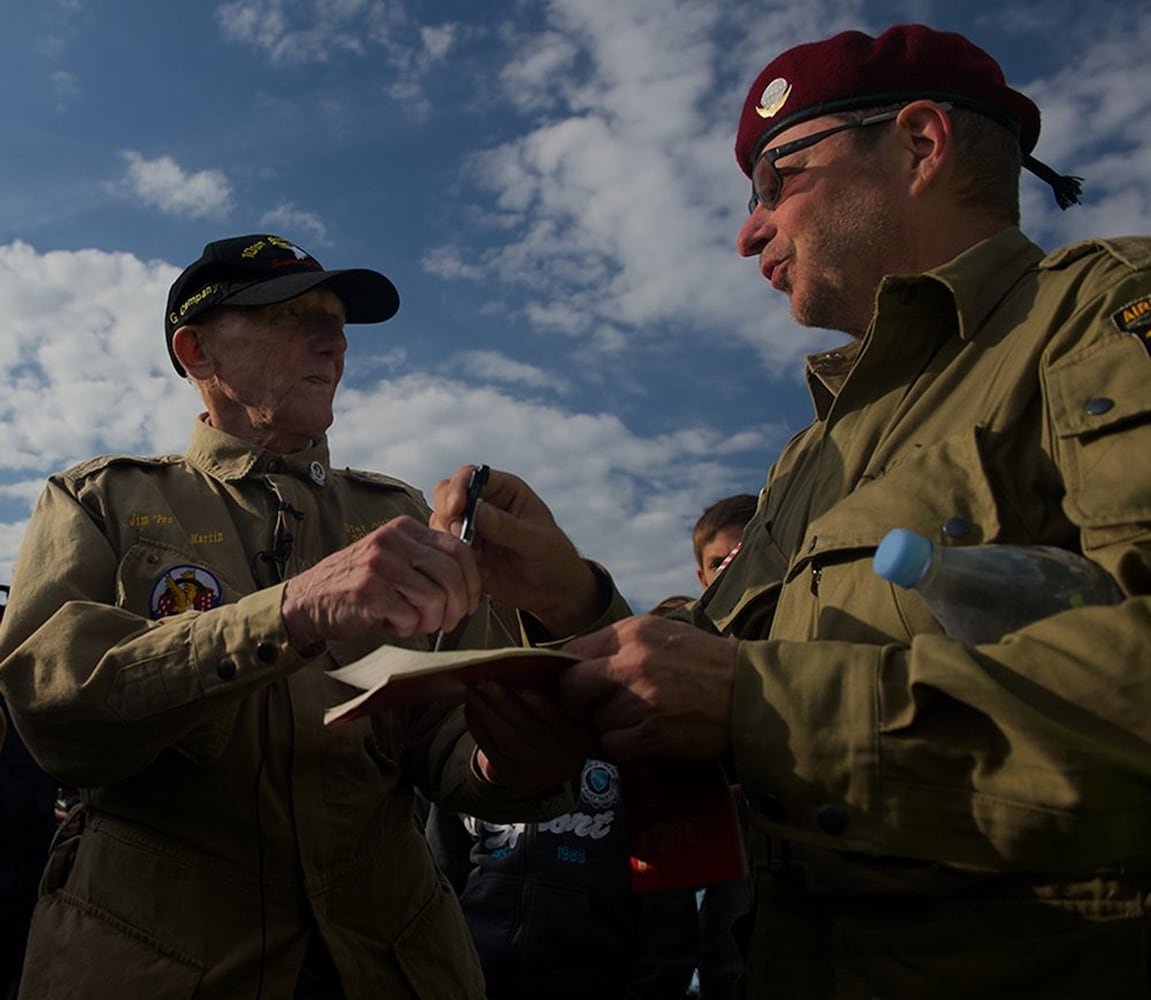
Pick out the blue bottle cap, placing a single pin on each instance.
(902, 557)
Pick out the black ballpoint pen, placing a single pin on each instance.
(476, 484)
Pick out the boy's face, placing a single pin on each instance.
(715, 551)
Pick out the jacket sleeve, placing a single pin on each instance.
(98, 691)
(1030, 753)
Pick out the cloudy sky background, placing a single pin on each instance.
(549, 183)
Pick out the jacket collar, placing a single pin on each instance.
(974, 283)
(981, 276)
(228, 458)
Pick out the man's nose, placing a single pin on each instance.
(755, 233)
(328, 332)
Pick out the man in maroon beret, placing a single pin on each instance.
(930, 819)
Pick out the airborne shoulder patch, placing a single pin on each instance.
(1135, 319)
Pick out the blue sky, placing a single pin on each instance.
(550, 185)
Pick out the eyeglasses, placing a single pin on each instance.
(767, 189)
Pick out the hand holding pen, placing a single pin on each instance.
(526, 562)
(476, 485)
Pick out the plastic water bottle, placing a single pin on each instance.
(979, 593)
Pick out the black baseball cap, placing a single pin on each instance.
(262, 270)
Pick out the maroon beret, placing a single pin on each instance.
(907, 62)
(852, 70)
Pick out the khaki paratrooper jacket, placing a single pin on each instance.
(146, 662)
(933, 820)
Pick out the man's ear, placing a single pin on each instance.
(190, 352)
(699, 577)
(927, 137)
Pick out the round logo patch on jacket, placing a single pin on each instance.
(184, 588)
(599, 784)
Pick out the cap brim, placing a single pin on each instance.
(368, 296)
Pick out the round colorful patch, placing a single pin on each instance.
(184, 588)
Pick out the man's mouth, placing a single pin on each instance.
(772, 270)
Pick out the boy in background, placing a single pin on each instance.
(717, 533)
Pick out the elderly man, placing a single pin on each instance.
(930, 819)
(165, 650)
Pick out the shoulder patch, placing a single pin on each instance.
(1135, 318)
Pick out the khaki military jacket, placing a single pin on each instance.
(145, 660)
(933, 820)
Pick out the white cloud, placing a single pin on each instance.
(288, 219)
(299, 32)
(491, 366)
(1093, 115)
(82, 357)
(530, 82)
(315, 31)
(270, 25)
(10, 536)
(64, 84)
(620, 209)
(84, 369)
(447, 262)
(162, 183)
(438, 41)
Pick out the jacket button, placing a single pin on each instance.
(266, 652)
(957, 527)
(832, 819)
(226, 670)
(1098, 406)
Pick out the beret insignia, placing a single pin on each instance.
(774, 96)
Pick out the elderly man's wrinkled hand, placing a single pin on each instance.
(404, 576)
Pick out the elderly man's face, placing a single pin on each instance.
(276, 369)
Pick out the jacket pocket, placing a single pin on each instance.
(1100, 412)
(76, 951)
(940, 490)
(156, 579)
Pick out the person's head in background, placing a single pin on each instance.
(717, 533)
(670, 604)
